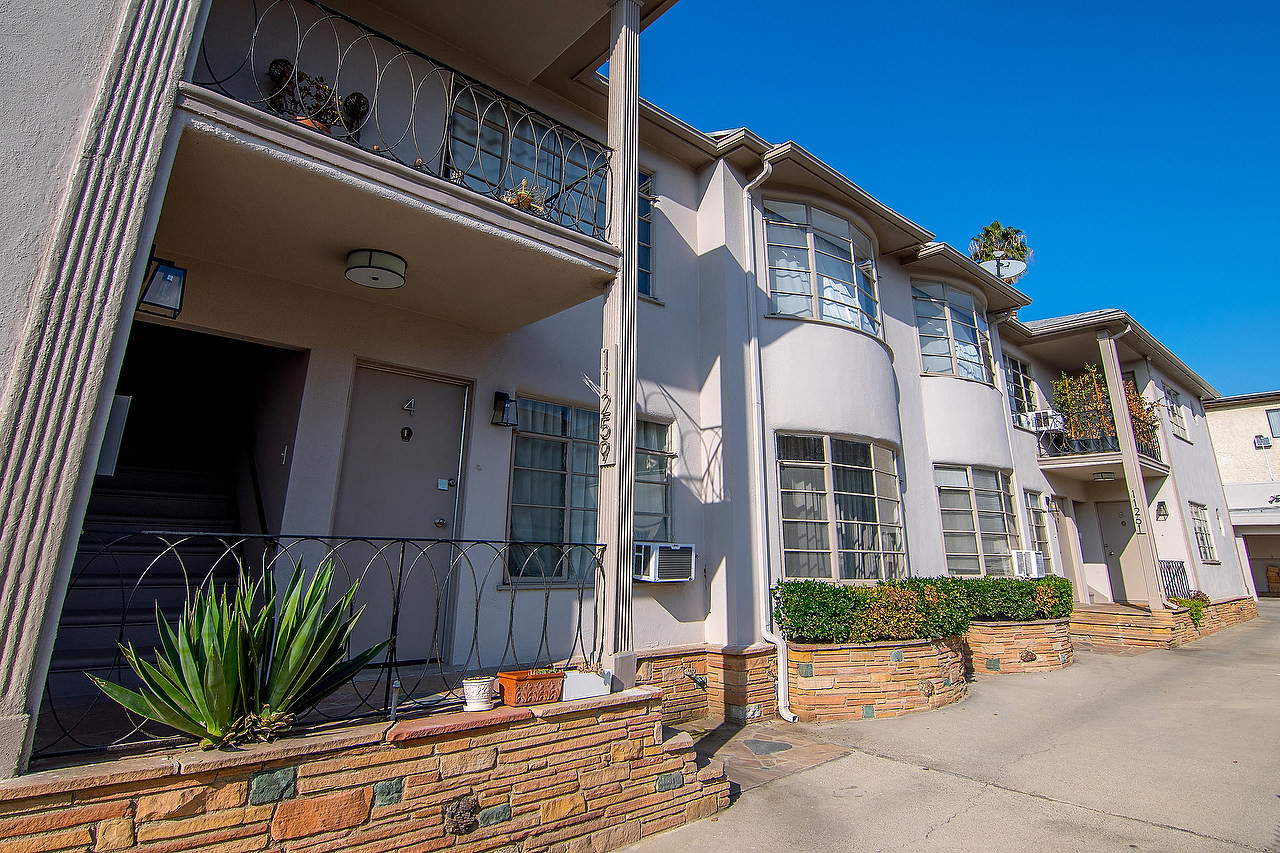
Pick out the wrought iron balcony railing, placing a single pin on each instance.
(324, 71)
(451, 609)
(1062, 437)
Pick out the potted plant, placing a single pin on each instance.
(312, 102)
(530, 686)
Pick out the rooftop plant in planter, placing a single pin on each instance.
(234, 671)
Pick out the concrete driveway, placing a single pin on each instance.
(1162, 751)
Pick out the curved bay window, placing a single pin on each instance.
(953, 332)
(820, 266)
(841, 509)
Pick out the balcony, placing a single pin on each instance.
(1087, 443)
(306, 127)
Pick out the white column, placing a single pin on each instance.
(618, 354)
(1144, 538)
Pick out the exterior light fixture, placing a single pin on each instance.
(1103, 476)
(377, 269)
(504, 410)
(162, 292)
(1162, 511)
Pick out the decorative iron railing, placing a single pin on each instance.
(1073, 439)
(451, 609)
(1173, 579)
(311, 65)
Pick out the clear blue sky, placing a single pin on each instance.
(1136, 143)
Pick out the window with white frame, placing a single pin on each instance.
(1173, 405)
(1204, 536)
(653, 482)
(1273, 421)
(1037, 525)
(953, 332)
(555, 472)
(1021, 388)
(841, 509)
(819, 266)
(979, 524)
(645, 256)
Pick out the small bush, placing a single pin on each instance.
(1019, 600)
(1195, 607)
(813, 611)
(1201, 596)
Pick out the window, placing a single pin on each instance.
(1204, 536)
(1273, 420)
(979, 527)
(841, 512)
(646, 235)
(1173, 405)
(555, 473)
(819, 266)
(953, 332)
(653, 483)
(1037, 526)
(494, 146)
(1022, 390)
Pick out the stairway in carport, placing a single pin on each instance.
(121, 574)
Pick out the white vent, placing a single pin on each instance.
(1027, 564)
(658, 562)
(1261, 442)
(1039, 421)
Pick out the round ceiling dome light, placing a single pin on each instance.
(376, 269)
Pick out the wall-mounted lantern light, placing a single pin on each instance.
(377, 269)
(162, 290)
(1104, 476)
(1162, 511)
(504, 410)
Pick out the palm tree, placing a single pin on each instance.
(1000, 238)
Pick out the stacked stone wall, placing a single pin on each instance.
(584, 775)
(862, 682)
(1007, 647)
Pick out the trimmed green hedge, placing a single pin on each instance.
(813, 611)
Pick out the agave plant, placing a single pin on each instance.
(195, 684)
(232, 672)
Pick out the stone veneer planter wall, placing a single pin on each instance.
(588, 774)
(1163, 629)
(1003, 646)
(861, 682)
(740, 681)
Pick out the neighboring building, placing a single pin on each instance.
(1246, 436)
(822, 390)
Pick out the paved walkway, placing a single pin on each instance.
(1170, 750)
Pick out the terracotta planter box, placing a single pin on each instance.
(526, 687)
(863, 682)
(1004, 647)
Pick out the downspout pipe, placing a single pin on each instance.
(756, 391)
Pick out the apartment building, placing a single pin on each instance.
(408, 287)
(1245, 429)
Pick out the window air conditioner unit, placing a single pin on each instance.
(658, 562)
(1027, 564)
(1261, 442)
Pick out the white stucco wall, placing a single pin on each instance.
(1233, 430)
(54, 58)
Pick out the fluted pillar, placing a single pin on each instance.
(618, 353)
(48, 438)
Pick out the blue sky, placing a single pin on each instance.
(1137, 144)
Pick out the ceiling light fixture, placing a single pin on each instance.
(377, 269)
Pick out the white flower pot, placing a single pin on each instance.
(478, 692)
